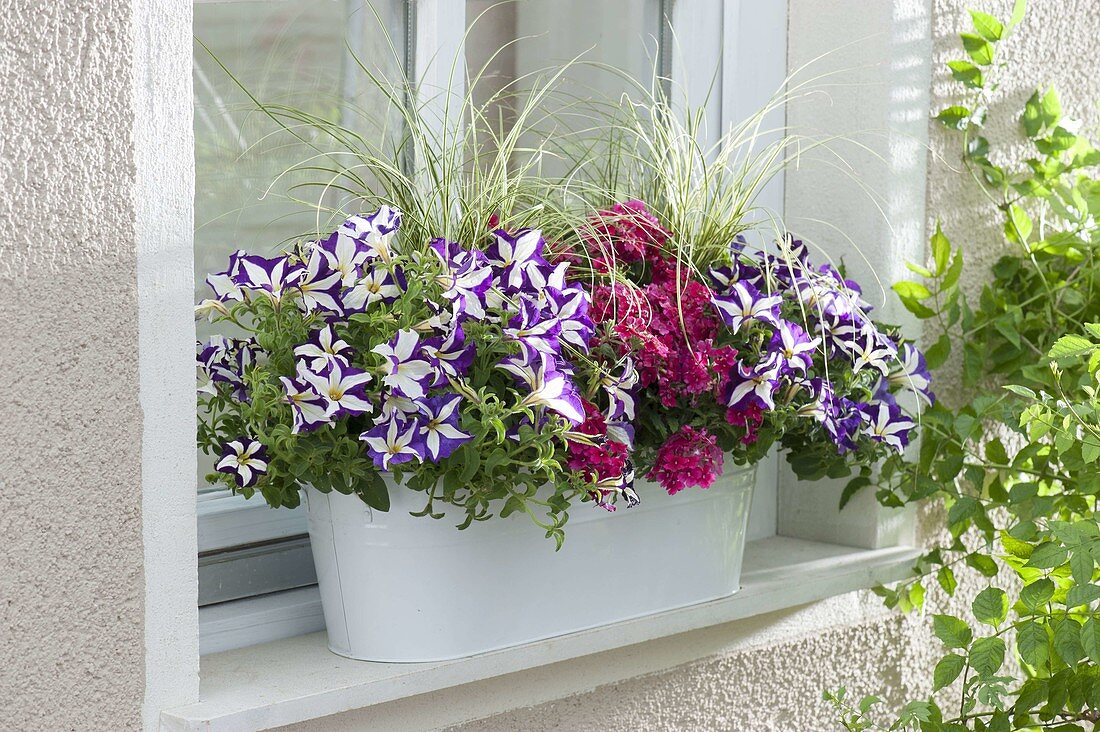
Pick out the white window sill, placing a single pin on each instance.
(296, 679)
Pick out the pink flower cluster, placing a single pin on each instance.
(625, 233)
(602, 461)
(669, 326)
(691, 457)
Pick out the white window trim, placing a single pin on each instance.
(894, 96)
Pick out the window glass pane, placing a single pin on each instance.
(285, 52)
(623, 34)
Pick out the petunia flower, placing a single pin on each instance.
(569, 307)
(794, 347)
(222, 283)
(375, 232)
(344, 387)
(547, 385)
(620, 391)
(745, 303)
(533, 328)
(270, 276)
(872, 349)
(452, 353)
(510, 254)
(310, 409)
(753, 385)
(466, 280)
(343, 253)
(910, 373)
(324, 347)
(886, 423)
(320, 285)
(377, 284)
(393, 442)
(439, 428)
(245, 459)
(408, 373)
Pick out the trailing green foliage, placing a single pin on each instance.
(1017, 466)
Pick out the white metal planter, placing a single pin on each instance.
(400, 588)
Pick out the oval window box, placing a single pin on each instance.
(400, 588)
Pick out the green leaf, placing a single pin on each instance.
(937, 353)
(952, 631)
(977, 48)
(1020, 391)
(966, 72)
(1080, 566)
(1071, 346)
(1067, 641)
(983, 563)
(1037, 593)
(1048, 555)
(1019, 226)
(946, 578)
(987, 26)
(1090, 639)
(374, 492)
(947, 670)
(911, 290)
(987, 655)
(954, 116)
(1018, 10)
(1032, 643)
(995, 452)
(991, 606)
(941, 250)
(1082, 595)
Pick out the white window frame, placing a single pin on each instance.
(892, 59)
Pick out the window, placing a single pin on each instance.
(294, 51)
(300, 53)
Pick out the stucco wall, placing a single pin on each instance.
(71, 581)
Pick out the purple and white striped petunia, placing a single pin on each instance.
(886, 423)
(245, 459)
(451, 353)
(745, 303)
(270, 276)
(466, 279)
(344, 387)
(547, 385)
(871, 349)
(393, 442)
(320, 285)
(375, 232)
(534, 328)
(439, 431)
(376, 285)
(408, 372)
(324, 347)
(794, 347)
(222, 283)
(343, 253)
(510, 254)
(753, 385)
(620, 391)
(310, 409)
(910, 373)
(570, 308)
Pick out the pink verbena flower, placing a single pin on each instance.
(596, 462)
(627, 232)
(691, 457)
(750, 416)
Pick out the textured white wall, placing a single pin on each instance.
(71, 581)
(95, 484)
